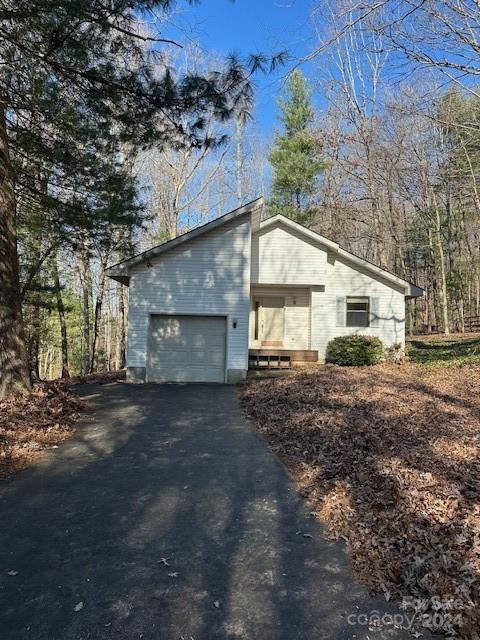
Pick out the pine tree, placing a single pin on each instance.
(76, 81)
(296, 155)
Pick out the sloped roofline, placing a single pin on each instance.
(411, 290)
(119, 271)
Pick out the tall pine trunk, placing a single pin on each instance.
(239, 159)
(86, 282)
(97, 315)
(121, 328)
(33, 346)
(62, 320)
(14, 372)
(441, 268)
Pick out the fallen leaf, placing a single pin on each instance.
(388, 457)
(164, 562)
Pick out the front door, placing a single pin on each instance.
(270, 319)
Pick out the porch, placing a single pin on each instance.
(280, 358)
(279, 331)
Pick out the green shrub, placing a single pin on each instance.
(354, 351)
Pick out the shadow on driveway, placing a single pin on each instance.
(167, 517)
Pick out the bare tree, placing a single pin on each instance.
(442, 35)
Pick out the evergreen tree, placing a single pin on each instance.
(296, 155)
(77, 85)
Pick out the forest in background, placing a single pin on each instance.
(388, 137)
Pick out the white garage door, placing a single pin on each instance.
(186, 349)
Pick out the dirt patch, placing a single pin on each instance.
(33, 423)
(390, 458)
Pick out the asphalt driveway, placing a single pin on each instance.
(168, 518)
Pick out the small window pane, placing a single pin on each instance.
(358, 312)
(357, 306)
(358, 300)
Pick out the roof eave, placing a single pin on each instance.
(316, 237)
(411, 290)
(120, 277)
(121, 269)
(386, 275)
(414, 291)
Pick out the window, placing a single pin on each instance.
(358, 312)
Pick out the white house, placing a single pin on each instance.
(239, 289)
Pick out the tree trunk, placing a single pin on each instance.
(441, 265)
(108, 337)
(121, 328)
(62, 320)
(86, 287)
(477, 296)
(34, 348)
(97, 315)
(14, 371)
(431, 290)
(410, 318)
(239, 160)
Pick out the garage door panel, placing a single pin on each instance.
(187, 349)
(199, 341)
(169, 357)
(173, 358)
(195, 374)
(207, 358)
(167, 329)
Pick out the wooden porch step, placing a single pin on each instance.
(273, 361)
(298, 355)
(279, 358)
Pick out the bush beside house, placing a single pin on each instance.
(354, 351)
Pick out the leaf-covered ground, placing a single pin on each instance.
(390, 458)
(33, 423)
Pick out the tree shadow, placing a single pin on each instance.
(428, 352)
(167, 517)
(390, 471)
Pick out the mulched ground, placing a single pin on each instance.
(389, 457)
(42, 419)
(35, 422)
(102, 377)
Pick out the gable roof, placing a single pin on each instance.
(411, 290)
(119, 271)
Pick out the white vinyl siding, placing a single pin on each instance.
(374, 312)
(219, 274)
(297, 315)
(387, 306)
(205, 276)
(280, 256)
(279, 253)
(340, 311)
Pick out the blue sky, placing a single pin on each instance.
(251, 26)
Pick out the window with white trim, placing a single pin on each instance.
(358, 312)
